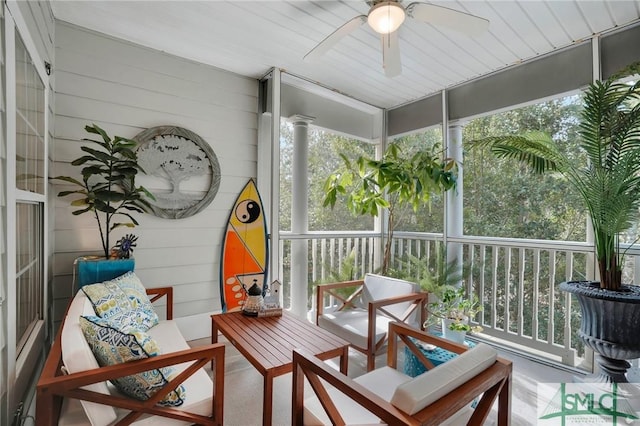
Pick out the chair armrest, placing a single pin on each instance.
(307, 365)
(158, 293)
(329, 288)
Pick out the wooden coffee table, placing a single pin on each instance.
(268, 344)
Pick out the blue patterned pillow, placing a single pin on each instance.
(124, 301)
(111, 346)
(143, 314)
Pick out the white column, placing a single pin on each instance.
(299, 215)
(454, 197)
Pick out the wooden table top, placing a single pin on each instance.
(268, 342)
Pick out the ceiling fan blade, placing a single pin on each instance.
(439, 15)
(391, 54)
(325, 45)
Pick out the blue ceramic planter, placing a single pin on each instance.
(94, 270)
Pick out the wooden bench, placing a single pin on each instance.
(58, 394)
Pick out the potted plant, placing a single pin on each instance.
(454, 311)
(107, 190)
(609, 184)
(371, 186)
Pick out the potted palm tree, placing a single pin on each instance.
(107, 190)
(609, 184)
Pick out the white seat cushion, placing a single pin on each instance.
(199, 387)
(382, 382)
(352, 325)
(427, 388)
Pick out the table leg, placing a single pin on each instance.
(267, 401)
(214, 332)
(214, 339)
(344, 360)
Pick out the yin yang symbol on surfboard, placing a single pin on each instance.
(244, 249)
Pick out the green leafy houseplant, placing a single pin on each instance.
(107, 188)
(609, 181)
(371, 186)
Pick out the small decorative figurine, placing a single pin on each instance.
(124, 247)
(253, 301)
(271, 306)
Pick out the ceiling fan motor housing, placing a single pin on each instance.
(386, 16)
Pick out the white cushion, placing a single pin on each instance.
(377, 287)
(199, 387)
(382, 382)
(427, 388)
(77, 357)
(352, 325)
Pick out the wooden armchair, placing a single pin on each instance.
(362, 317)
(58, 393)
(443, 394)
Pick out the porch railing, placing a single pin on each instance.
(516, 280)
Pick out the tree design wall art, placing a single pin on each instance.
(176, 155)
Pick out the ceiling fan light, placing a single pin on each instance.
(386, 17)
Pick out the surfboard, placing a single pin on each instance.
(244, 249)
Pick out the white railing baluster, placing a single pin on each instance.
(507, 292)
(314, 263)
(521, 268)
(536, 293)
(323, 259)
(551, 337)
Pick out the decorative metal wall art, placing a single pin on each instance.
(176, 154)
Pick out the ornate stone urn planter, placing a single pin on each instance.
(609, 326)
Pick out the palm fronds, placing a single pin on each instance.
(609, 182)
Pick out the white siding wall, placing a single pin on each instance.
(126, 88)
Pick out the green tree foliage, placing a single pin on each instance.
(608, 179)
(431, 217)
(324, 158)
(505, 198)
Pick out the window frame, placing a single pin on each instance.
(22, 368)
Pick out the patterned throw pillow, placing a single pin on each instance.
(123, 301)
(111, 346)
(130, 284)
(108, 302)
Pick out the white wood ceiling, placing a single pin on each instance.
(250, 37)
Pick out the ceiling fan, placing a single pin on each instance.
(386, 17)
